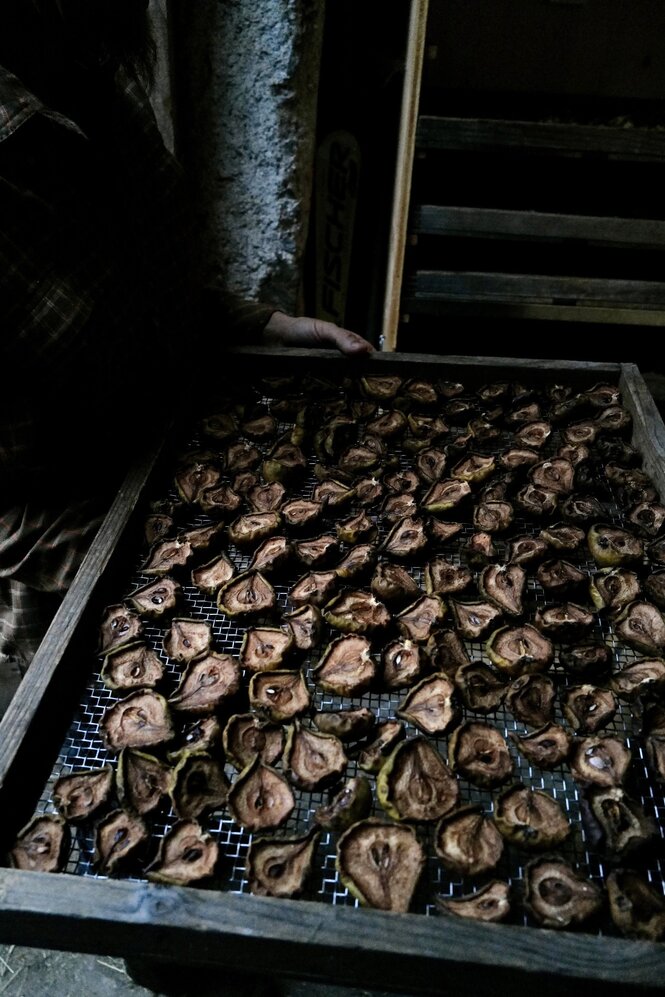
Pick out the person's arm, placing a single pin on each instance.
(312, 332)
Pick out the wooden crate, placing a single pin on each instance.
(365, 948)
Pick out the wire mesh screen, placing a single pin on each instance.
(84, 748)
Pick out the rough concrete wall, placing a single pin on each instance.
(246, 87)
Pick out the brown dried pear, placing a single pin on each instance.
(157, 599)
(530, 818)
(167, 556)
(417, 621)
(264, 648)
(373, 756)
(473, 619)
(430, 705)
(199, 784)
(347, 667)
(468, 842)
(636, 907)
(393, 584)
(313, 759)
(479, 753)
(504, 586)
(42, 845)
(402, 661)
(187, 639)
(118, 836)
(547, 747)
(406, 538)
(207, 682)
(314, 588)
(271, 556)
(415, 783)
(481, 689)
(132, 666)
(249, 593)
(530, 699)
(279, 696)
(119, 626)
(210, 577)
(142, 781)
(641, 626)
(139, 721)
(588, 708)
(615, 823)
(347, 725)
(557, 895)
(599, 761)
(281, 867)
(318, 552)
(380, 864)
(186, 855)
(78, 795)
(305, 626)
(250, 529)
(520, 650)
(260, 798)
(611, 546)
(490, 903)
(356, 612)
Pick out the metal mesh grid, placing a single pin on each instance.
(84, 749)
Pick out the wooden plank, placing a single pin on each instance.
(415, 954)
(648, 427)
(403, 171)
(491, 223)
(479, 134)
(509, 288)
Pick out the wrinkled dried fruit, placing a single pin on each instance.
(207, 683)
(157, 599)
(403, 662)
(186, 855)
(556, 895)
(305, 626)
(250, 529)
(142, 781)
(380, 864)
(132, 666)
(264, 648)
(347, 667)
(200, 784)
(117, 836)
(530, 699)
(526, 550)
(278, 695)
(42, 845)
(565, 622)
(260, 799)
(210, 577)
(430, 705)
(467, 842)
(167, 556)
(415, 783)
(637, 909)
(417, 621)
(406, 538)
(615, 823)
(599, 761)
(374, 755)
(641, 626)
(588, 708)
(356, 612)
(249, 593)
(347, 725)
(119, 626)
(491, 903)
(80, 794)
(313, 759)
(187, 639)
(480, 687)
(520, 650)
(392, 583)
(473, 619)
(644, 675)
(246, 736)
(504, 585)
(315, 588)
(280, 868)
(479, 753)
(611, 546)
(547, 747)
(557, 576)
(530, 818)
(446, 495)
(351, 804)
(139, 721)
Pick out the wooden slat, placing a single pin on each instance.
(492, 223)
(648, 428)
(480, 134)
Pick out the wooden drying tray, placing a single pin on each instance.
(364, 948)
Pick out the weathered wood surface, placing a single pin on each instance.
(494, 223)
(481, 134)
(648, 427)
(366, 948)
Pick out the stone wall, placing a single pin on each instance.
(245, 89)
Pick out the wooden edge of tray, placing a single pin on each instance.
(360, 947)
(648, 426)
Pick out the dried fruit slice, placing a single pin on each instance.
(192, 479)
(260, 798)
(207, 683)
(157, 599)
(648, 518)
(186, 855)
(301, 513)
(481, 689)
(396, 507)
(219, 501)
(555, 475)
(581, 432)
(520, 650)
(380, 864)
(536, 501)
(119, 626)
(644, 675)
(558, 896)
(581, 508)
(390, 423)
(415, 783)
(474, 468)
(79, 795)
(368, 491)
(611, 546)
(490, 903)
(167, 556)
(332, 494)
(264, 648)
(393, 584)
(312, 759)
(557, 576)
(118, 836)
(356, 612)
(417, 621)
(547, 747)
(473, 619)
(187, 639)
(588, 708)
(245, 737)
(356, 562)
(351, 804)
(347, 725)
(406, 538)
(305, 626)
(641, 626)
(504, 585)
(431, 465)
(139, 721)
(446, 495)
(430, 705)
(526, 549)
(403, 662)
(142, 781)
(266, 498)
(530, 699)
(250, 529)
(480, 754)
(586, 660)
(247, 594)
(382, 388)
(279, 695)
(373, 756)
(637, 909)
(468, 842)
(315, 588)
(530, 818)
(599, 761)
(317, 552)
(42, 845)
(204, 734)
(563, 536)
(615, 823)
(654, 587)
(132, 666)
(442, 532)
(442, 577)
(199, 785)
(280, 868)
(347, 667)
(286, 463)
(210, 577)
(533, 434)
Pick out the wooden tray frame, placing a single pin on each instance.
(342, 945)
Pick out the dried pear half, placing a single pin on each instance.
(390, 423)
(491, 903)
(446, 495)
(356, 612)
(281, 867)
(193, 478)
(532, 435)
(418, 620)
(520, 650)
(547, 747)
(265, 648)
(80, 794)
(644, 675)
(481, 689)
(530, 818)
(132, 666)
(611, 546)
(382, 388)
(467, 841)
(279, 695)
(372, 757)
(313, 759)
(199, 784)
(204, 734)
(380, 864)
(167, 556)
(299, 514)
(641, 626)
(315, 588)
(352, 803)
(636, 907)
(139, 721)
(473, 619)
(358, 560)
(588, 708)
(442, 577)
(393, 583)
(526, 549)
(616, 823)
(504, 585)
(599, 761)
(347, 725)
(203, 538)
(286, 463)
(271, 555)
(157, 599)
(347, 667)
(260, 798)
(42, 845)
(142, 781)
(474, 468)
(186, 855)
(446, 651)
(493, 516)
(589, 659)
(187, 639)
(210, 577)
(266, 498)
(119, 626)
(247, 594)
(246, 737)
(479, 753)
(557, 576)
(530, 699)
(305, 626)
(403, 662)
(536, 501)
(118, 836)
(430, 705)
(431, 465)
(556, 474)
(415, 783)
(396, 507)
(207, 683)
(558, 896)
(250, 529)
(219, 501)
(406, 538)
(332, 494)
(317, 552)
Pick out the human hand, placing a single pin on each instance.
(313, 332)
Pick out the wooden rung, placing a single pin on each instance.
(491, 223)
(480, 134)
